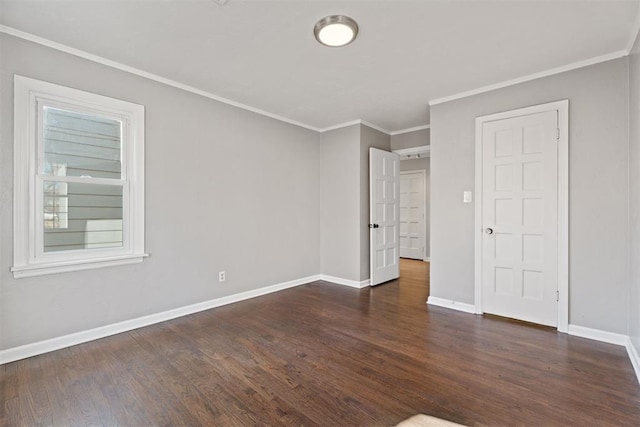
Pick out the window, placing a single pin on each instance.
(78, 180)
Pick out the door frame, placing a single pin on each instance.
(562, 107)
(422, 172)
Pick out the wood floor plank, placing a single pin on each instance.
(327, 355)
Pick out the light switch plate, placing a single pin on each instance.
(466, 197)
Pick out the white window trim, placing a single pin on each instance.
(29, 260)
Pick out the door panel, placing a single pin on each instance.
(384, 182)
(412, 215)
(519, 215)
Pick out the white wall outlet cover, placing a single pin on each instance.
(467, 197)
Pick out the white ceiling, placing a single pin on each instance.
(262, 53)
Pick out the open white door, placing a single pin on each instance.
(384, 182)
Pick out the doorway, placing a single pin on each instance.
(414, 217)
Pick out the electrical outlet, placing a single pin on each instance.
(222, 276)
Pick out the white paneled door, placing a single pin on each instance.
(520, 217)
(412, 215)
(384, 182)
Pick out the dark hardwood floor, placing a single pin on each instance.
(323, 354)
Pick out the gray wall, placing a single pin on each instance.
(226, 190)
(598, 202)
(344, 200)
(411, 139)
(425, 165)
(634, 195)
(340, 203)
(368, 138)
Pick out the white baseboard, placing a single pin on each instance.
(34, 349)
(635, 359)
(575, 330)
(598, 335)
(454, 305)
(345, 282)
(427, 259)
(611, 338)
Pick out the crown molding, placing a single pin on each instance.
(145, 74)
(340, 125)
(529, 77)
(141, 73)
(407, 130)
(372, 126)
(634, 32)
(354, 122)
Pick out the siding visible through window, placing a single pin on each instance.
(81, 216)
(86, 145)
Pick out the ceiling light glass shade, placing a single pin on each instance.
(336, 30)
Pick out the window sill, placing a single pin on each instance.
(78, 265)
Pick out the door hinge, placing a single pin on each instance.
(558, 134)
(557, 296)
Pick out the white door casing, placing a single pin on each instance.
(384, 183)
(412, 214)
(521, 194)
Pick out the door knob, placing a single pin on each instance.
(488, 230)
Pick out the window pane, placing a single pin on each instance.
(55, 205)
(82, 216)
(78, 144)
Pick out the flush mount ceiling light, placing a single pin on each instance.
(335, 30)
